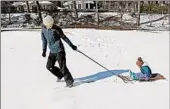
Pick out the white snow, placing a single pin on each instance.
(26, 83)
(91, 2)
(67, 3)
(18, 4)
(46, 2)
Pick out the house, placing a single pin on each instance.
(155, 2)
(79, 5)
(127, 5)
(45, 5)
(19, 6)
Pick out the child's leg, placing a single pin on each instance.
(138, 76)
(142, 76)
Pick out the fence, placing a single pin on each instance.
(108, 19)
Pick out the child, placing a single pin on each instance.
(145, 71)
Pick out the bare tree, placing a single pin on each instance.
(28, 8)
(6, 6)
(133, 9)
(75, 10)
(39, 10)
(57, 3)
(169, 13)
(138, 19)
(9, 12)
(97, 13)
(109, 5)
(150, 14)
(121, 9)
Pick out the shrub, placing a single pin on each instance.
(154, 8)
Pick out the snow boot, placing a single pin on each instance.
(58, 80)
(70, 85)
(133, 75)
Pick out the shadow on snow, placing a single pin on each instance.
(97, 76)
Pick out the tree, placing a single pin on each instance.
(75, 10)
(138, 19)
(28, 8)
(39, 10)
(169, 13)
(133, 9)
(97, 13)
(57, 3)
(7, 6)
(121, 9)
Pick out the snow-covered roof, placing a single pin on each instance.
(45, 2)
(78, 1)
(60, 7)
(70, 2)
(21, 3)
(31, 2)
(91, 2)
(18, 3)
(67, 3)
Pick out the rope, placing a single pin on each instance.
(125, 80)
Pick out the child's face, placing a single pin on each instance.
(139, 64)
(49, 25)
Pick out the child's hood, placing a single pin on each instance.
(145, 64)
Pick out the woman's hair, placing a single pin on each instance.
(140, 59)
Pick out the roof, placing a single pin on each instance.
(91, 2)
(45, 2)
(70, 2)
(18, 3)
(31, 2)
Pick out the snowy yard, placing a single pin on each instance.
(26, 83)
(18, 20)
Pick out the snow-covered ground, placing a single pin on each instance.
(26, 84)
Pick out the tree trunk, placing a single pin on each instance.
(109, 5)
(9, 12)
(97, 13)
(28, 8)
(39, 10)
(75, 10)
(150, 17)
(169, 13)
(138, 19)
(121, 10)
(133, 9)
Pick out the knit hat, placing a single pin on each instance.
(140, 59)
(48, 21)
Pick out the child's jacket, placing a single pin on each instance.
(145, 69)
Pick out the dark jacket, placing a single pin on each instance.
(52, 37)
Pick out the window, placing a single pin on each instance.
(72, 6)
(156, 2)
(79, 6)
(86, 5)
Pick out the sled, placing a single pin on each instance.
(154, 77)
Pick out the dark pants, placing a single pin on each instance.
(62, 71)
